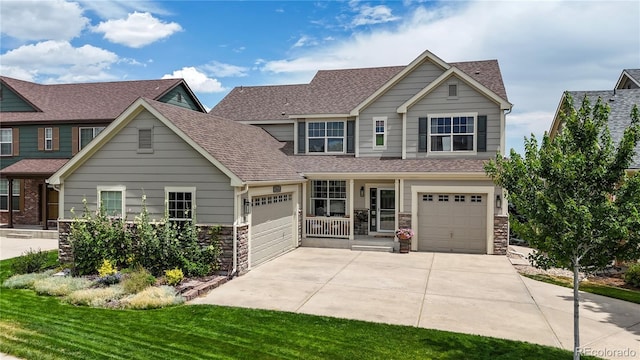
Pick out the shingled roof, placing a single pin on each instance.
(621, 103)
(332, 92)
(102, 101)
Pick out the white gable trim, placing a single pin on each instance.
(426, 55)
(116, 126)
(624, 75)
(454, 71)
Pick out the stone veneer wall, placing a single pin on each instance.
(500, 234)
(30, 202)
(225, 241)
(361, 222)
(404, 220)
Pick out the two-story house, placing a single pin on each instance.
(43, 126)
(343, 161)
(621, 100)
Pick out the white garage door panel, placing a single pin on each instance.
(452, 226)
(272, 227)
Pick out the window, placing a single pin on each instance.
(48, 138)
(443, 198)
(453, 90)
(6, 142)
(180, 203)
(459, 198)
(145, 140)
(328, 197)
(4, 194)
(452, 133)
(325, 137)
(87, 134)
(379, 132)
(111, 199)
(476, 198)
(427, 197)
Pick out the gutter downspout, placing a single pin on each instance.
(235, 231)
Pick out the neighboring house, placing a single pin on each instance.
(389, 147)
(342, 161)
(42, 126)
(621, 100)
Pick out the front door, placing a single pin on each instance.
(386, 209)
(52, 204)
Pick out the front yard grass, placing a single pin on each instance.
(42, 327)
(590, 287)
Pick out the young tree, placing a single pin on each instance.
(582, 209)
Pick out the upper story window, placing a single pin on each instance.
(379, 132)
(4, 195)
(48, 138)
(449, 133)
(111, 199)
(181, 202)
(87, 134)
(326, 137)
(6, 142)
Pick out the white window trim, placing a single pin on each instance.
(93, 128)
(10, 131)
(141, 150)
(48, 139)
(16, 188)
(123, 191)
(384, 134)
(452, 115)
(328, 199)
(326, 137)
(190, 189)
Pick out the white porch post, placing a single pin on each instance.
(351, 212)
(304, 210)
(397, 202)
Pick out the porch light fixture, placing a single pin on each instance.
(361, 191)
(246, 206)
(498, 202)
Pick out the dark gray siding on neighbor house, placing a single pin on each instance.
(180, 97)
(173, 163)
(387, 104)
(282, 132)
(10, 101)
(438, 102)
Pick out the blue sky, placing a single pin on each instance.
(543, 47)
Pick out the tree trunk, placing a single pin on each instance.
(576, 310)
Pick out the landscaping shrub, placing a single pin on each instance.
(31, 261)
(632, 276)
(60, 285)
(96, 297)
(110, 279)
(137, 280)
(106, 268)
(173, 276)
(25, 281)
(153, 298)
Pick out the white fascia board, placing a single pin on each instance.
(395, 175)
(274, 182)
(625, 74)
(414, 64)
(555, 124)
(266, 122)
(318, 116)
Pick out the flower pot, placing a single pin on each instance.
(405, 245)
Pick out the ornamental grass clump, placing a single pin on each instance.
(138, 280)
(60, 285)
(25, 281)
(96, 297)
(632, 276)
(152, 298)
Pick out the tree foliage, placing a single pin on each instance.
(579, 206)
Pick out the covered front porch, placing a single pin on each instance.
(347, 213)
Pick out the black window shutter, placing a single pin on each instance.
(351, 144)
(482, 133)
(422, 134)
(301, 137)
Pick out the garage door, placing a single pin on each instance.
(452, 223)
(271, 227)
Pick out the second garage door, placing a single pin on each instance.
(452, 223)
(271, 227)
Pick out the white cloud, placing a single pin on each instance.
(58, 61)
(111, 9)
(42, 20)
(137, 30)
(197, 80)
(543, 49)
(225, 70)
(370, 15)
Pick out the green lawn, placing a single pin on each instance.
(37, 327)
(609, 291)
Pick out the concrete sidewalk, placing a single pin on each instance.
(476, 294)
(14, 247)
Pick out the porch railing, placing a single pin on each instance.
(334, 227)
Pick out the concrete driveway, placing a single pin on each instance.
(14, 247)
(476, 294)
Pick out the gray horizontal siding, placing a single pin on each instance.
(282, 132)
(172, 163)
(409, 183)
(11, 102)
(468, 100)
(387, 104)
